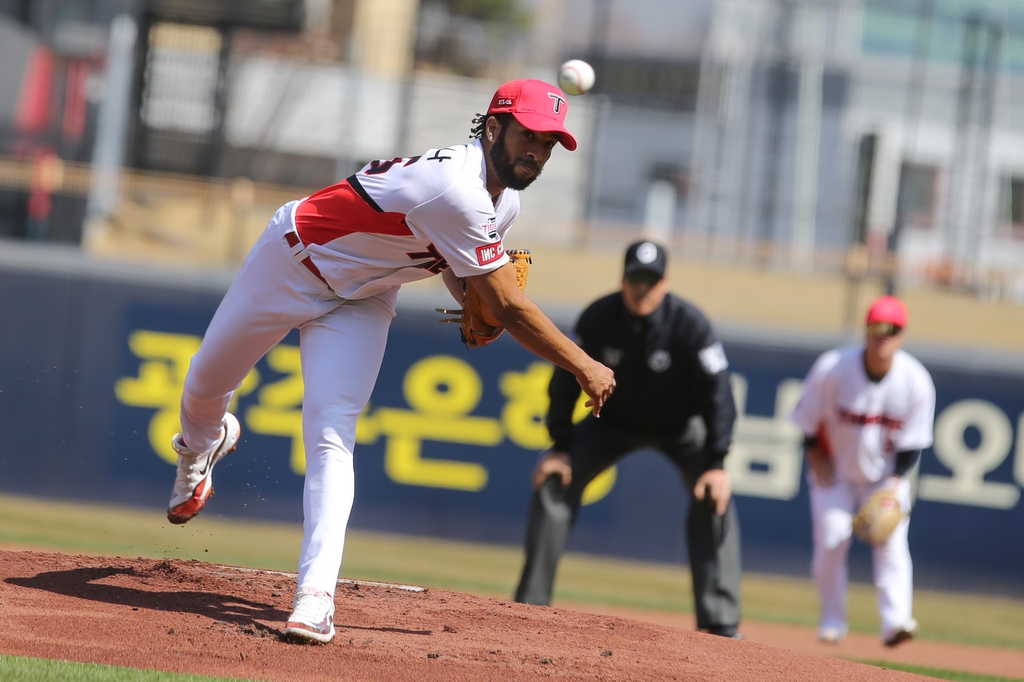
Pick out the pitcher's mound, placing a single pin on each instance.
(199, 618)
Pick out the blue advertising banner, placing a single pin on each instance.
(91, 371)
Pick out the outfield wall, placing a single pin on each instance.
(92, 360)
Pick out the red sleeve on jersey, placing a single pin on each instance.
(340, 210)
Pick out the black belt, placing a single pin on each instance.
(293, 240)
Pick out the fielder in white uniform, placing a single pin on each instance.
(331, 265)
(866, 413)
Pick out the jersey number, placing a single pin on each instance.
(380, 166)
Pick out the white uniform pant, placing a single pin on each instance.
(341, 345)
(832, 511)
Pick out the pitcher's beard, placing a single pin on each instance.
(506, 167)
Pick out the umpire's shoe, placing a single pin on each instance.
(728, 631)
(312, 619)
(194, 482)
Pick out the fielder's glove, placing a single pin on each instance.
(479, 327)
(878, 517)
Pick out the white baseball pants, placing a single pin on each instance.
(341, 344)
(832, 512)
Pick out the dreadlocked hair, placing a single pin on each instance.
(480, 122)
(477, 131)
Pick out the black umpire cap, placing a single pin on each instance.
(648, 256)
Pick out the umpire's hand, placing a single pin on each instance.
(553, 462)
(715, 483)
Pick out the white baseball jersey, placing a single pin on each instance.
(406, 219)
(863, 423)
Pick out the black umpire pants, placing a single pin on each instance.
(713, 541)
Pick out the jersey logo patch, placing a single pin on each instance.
(489, 253)
(713, 358)
(659, 361)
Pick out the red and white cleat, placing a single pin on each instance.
(312, 619)
(194, 482)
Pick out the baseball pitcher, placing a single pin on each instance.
(331, 265)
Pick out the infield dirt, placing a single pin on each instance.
(200, 618)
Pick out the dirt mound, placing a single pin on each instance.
(194, 617)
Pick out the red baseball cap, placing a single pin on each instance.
(888, 309)
(537, 105)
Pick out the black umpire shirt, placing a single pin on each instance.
(668, 368)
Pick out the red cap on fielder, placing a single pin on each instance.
(888, 309)
(537, 105)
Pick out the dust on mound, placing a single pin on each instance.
(195, 617)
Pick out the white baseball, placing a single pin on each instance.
(576, 77)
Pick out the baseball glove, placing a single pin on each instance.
(878, 517)
(479, 327)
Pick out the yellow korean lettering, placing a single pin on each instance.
(279, 412)
(165, 361)
(524, 413)
(442, 390)
(367, 428)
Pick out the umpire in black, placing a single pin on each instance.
(672, 393)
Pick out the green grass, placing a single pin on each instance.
(22, 669)
(486, 570)
(954, 675)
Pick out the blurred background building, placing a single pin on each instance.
(867, 140)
